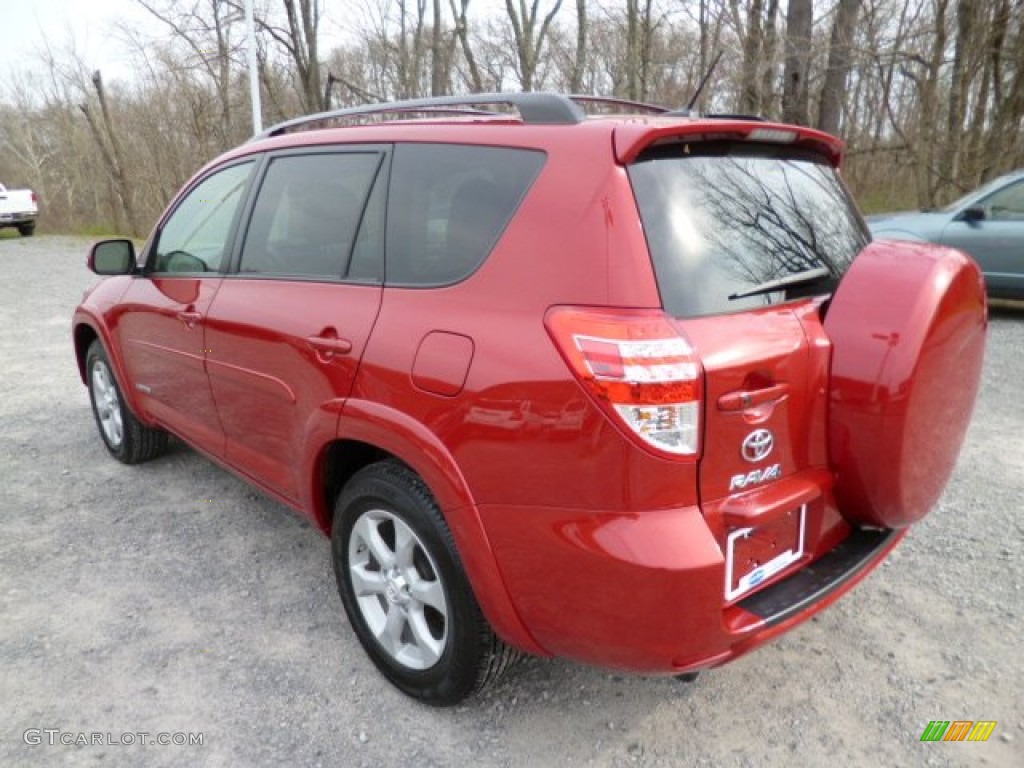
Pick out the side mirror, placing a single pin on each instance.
(971, 215)
(112, 257)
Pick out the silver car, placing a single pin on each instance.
(987, 223)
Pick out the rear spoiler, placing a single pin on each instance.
(632, 138)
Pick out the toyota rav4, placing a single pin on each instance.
(631, 389)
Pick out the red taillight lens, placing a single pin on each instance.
(35, 198)
(639, 367)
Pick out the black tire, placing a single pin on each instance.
(128, 440)
(27, 230)
(389, 500)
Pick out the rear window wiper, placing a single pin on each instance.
(807, 277)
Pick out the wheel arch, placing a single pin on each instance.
(369, 432)
(86, 329)
(84, 335)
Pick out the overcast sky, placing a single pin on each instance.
(27, 25)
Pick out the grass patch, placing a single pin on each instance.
(98, 231)
(884, 201)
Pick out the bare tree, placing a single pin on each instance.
(476, 83)
(929, 94)
(1005, 143)
(580, 58)
(833, 92)
(966, 15)
(109, 144)
(769, 58)
(750, 85)
(303, 45)
(641, 29)
(530, 31)
(205, 29)
(928, 105)
(795, 91)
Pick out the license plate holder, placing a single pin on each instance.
(756, 553)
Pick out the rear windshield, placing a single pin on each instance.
(723, 219)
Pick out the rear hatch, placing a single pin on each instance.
(748, 239)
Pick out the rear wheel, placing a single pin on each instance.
(27, 230)
(405, 591)
(128, 440)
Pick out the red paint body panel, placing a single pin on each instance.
(271, 385)
(578, 541)
(163, 352)
(639, 591)
(752, 352)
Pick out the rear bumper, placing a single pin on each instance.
(645, 591)
(815, 582)
(15, 219)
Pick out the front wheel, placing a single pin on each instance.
(128, 440)
(405, 591)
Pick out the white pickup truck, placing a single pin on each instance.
(18, 208)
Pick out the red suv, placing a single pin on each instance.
(635, 390)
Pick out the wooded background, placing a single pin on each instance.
(928, 94)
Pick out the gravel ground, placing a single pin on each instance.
(172, 597)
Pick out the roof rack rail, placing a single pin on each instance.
(535, 108)
(614, 102)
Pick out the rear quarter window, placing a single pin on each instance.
(448, 206)
(722, 218)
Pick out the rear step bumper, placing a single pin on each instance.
(814, 582)
(645, 591)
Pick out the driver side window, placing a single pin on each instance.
(194, 237)
(1007, 204)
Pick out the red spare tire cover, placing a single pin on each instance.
(907, 324)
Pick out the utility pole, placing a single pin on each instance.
(254, 82)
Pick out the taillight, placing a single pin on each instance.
(35, 198)
(640, 369)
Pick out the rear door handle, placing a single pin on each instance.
(750, 398)
(330, 345)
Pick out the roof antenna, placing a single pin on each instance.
(703, 82)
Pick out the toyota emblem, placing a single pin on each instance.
(757, 445)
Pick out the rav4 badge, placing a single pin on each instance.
(757, 476)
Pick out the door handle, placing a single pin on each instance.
(190, 317)
(751, 398)
(329, 346)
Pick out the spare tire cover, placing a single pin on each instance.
(907, 324)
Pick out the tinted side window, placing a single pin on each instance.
(723, 218)
(448, 206)
(367, 261)
(307, 214)
(194, 237)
